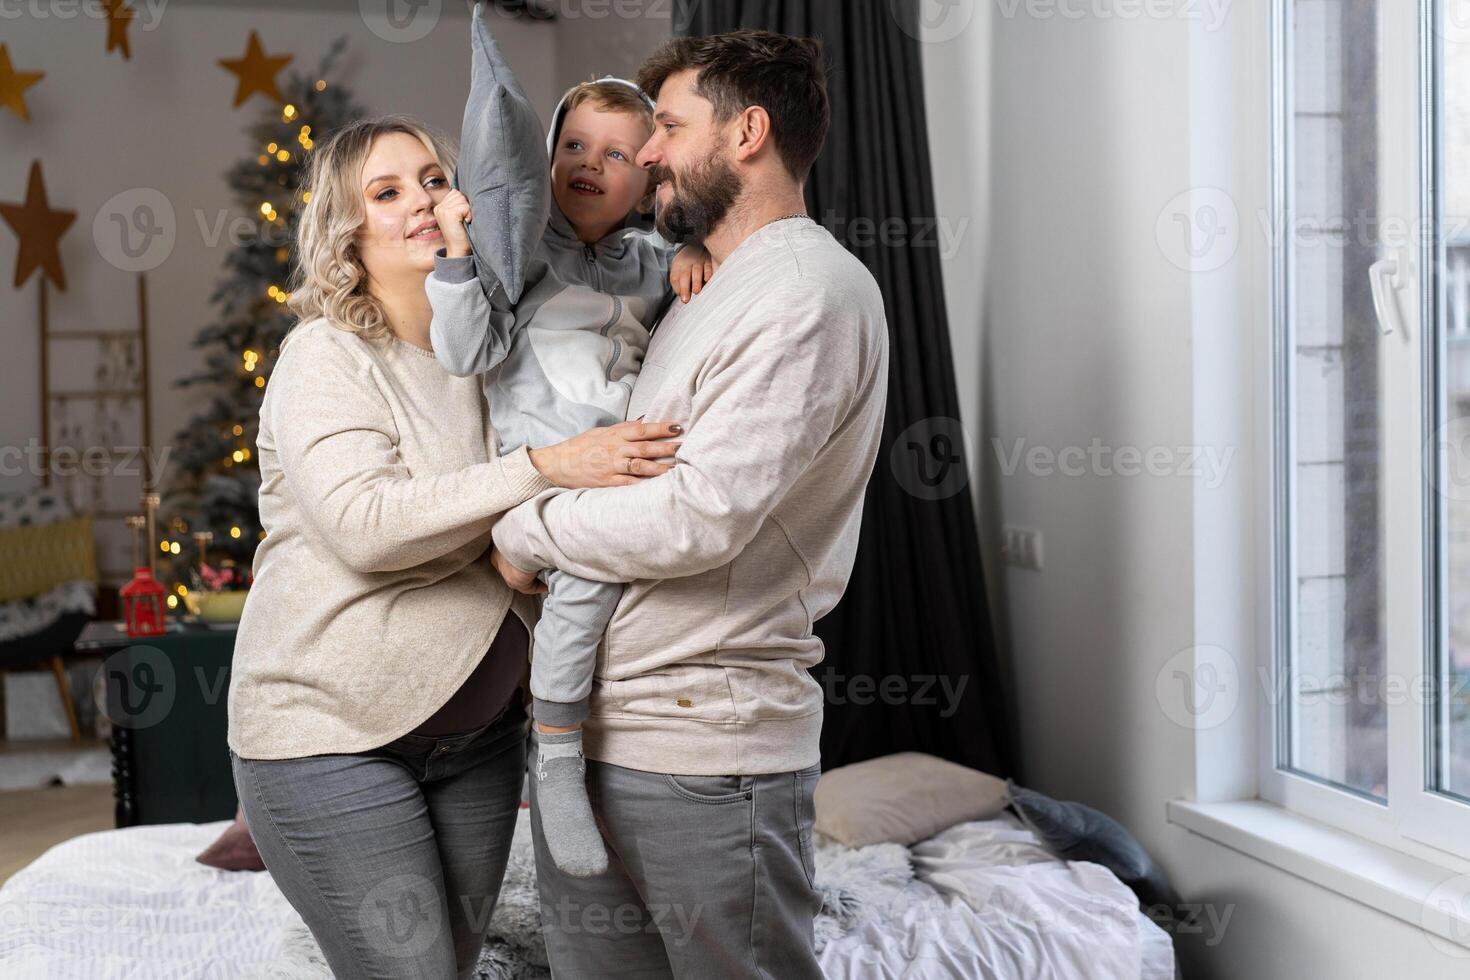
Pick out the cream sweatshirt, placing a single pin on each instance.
(778, 370)
(373, 597)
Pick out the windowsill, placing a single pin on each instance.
(1425, 895)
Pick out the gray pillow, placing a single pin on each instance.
(503, 167)
(904, 798)
(1077, 832)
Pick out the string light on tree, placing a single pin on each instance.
(215, 470)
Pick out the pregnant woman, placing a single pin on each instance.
(376, 725)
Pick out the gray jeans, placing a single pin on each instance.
(709, 877)
(393, 857)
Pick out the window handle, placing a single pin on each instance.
(1384, 278)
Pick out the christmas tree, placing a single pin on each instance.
(213, 476)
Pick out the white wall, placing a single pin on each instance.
(164, 120)
(1071, 324)
(609, 38)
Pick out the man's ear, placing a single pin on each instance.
(753, 132)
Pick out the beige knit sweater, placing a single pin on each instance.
(779, 371)
(373, 598)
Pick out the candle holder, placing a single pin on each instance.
(142, 597)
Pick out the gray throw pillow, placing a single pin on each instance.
(1077, 832)
(503, 167)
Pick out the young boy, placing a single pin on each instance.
(555, 316)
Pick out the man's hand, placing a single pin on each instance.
(517, 578)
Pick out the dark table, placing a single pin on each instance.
(166, 698)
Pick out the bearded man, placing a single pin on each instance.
(702, 742)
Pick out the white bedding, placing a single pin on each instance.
(986, 902)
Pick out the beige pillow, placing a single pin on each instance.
(903, 798)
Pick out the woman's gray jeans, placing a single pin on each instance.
(393, 857)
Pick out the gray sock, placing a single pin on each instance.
(561, 799)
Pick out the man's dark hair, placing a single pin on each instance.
(782, 74)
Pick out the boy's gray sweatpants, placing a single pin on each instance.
(527, 409)
(574, 615)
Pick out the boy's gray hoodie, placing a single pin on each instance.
(557, 327)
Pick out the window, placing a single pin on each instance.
(1371, 541)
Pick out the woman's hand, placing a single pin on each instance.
(691, 268)
(517, 578)
(453, 213)
(612, 456)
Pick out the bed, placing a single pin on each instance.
(981, 899)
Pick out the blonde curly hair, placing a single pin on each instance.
(329, 280)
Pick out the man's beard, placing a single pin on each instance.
(702, 197)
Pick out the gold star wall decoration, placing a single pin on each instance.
(40, 228)
(119, 16)
(256, 71)
(13, 85)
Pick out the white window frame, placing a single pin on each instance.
(1414, 820)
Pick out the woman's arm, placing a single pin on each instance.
(337, 443)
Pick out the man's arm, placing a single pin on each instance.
(773, 393)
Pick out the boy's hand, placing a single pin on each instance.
(452, 214)
(691, 268)
(517, 578)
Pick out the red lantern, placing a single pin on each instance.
(142, 602)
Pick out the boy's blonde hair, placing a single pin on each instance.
(329, 280)
(610, 97)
